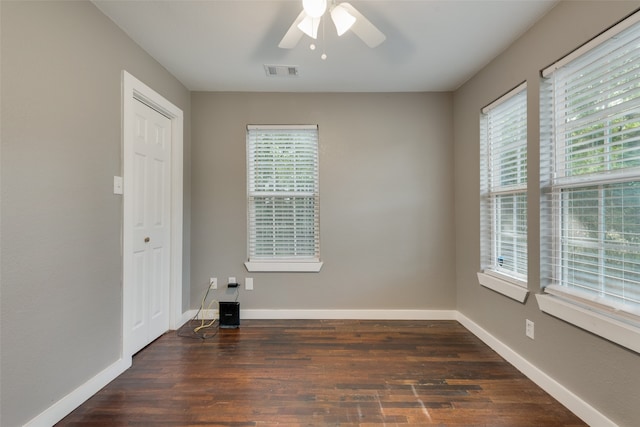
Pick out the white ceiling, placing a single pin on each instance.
(222, 45)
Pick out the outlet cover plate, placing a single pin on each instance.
(530, 329)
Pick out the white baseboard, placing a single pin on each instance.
(334, 314)
(350, 314)
(77, 397)
(203, 314)
(575, 404)
(188, 315)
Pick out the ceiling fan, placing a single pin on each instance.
(344, 16)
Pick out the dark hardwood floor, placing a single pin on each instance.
(323, 373)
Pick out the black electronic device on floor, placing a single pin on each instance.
(229, 314)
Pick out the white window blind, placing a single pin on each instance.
(503, 165)
(590, 172)
(283, 193)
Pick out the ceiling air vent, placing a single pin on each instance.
(281, 70)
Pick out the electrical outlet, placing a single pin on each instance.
(529, 329)
(248, 283)
(232, 280)
(213, 283)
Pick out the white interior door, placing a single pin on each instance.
(151, 234)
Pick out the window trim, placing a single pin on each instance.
(505, 285)
(276, 264)
(601, 38)
(283, 267)
(586, 317)
(512, 287)
(615, 323)
(504, 98)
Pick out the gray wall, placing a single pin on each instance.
(603, 374)
(61, 223)
(386, 214)
(391, 238)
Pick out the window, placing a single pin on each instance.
(590, 172)
(283, 198)
(503, 166)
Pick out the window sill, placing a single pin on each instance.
(619, 332)
(504, 287)
(284, 267)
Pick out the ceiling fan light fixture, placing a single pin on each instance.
(342, 19)
(309, 26)
(344, 16)
(314, 8)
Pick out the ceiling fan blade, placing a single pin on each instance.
(293, 35)
(309, 26)
(363, 28)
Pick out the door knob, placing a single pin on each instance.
(147, 240)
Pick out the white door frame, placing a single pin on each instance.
(132, 90)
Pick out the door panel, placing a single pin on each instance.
(156, 295)
(139, 164)
(151, 226)
(157, 213)
(139, 270)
